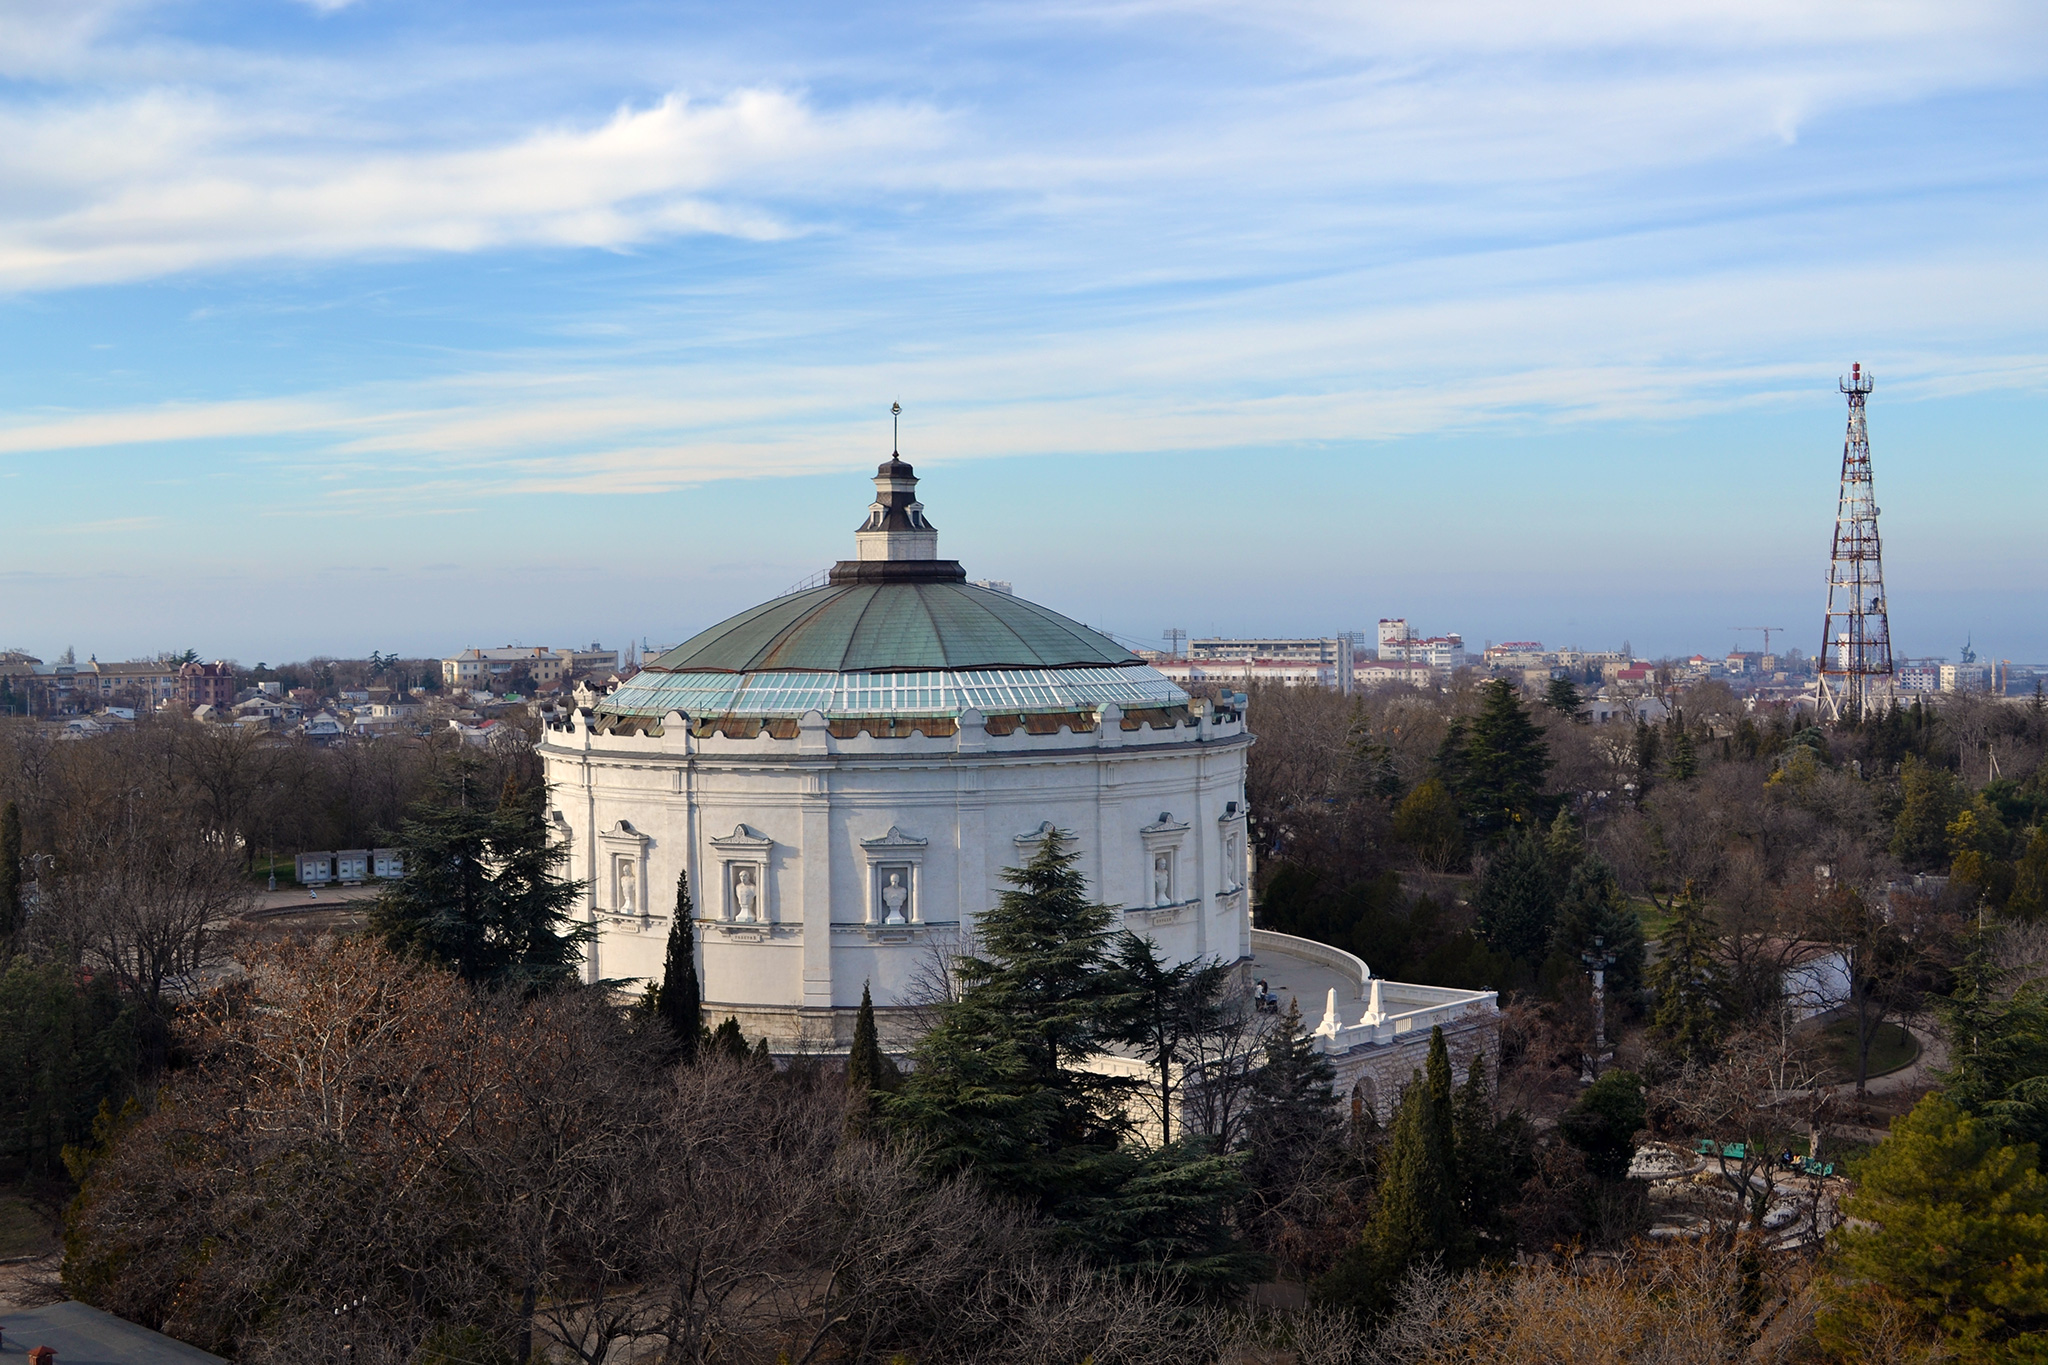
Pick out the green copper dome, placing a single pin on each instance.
(893, 627)
(895, 632)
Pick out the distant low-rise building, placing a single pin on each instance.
(494, 668)
(1284, 672)
(1518, 654)
(1605, 710)
(207, 685)
(1918, 676)
(1966, 677)
(1382, 672)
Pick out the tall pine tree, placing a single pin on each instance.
(1417, 1216)
(1998, 1054)
(1517, 898)
(1688, 1017)
(1292, 1114)
(1562, 696)
(1594, 908)
(679, 1000)
(1505, 759)
(482, 892)
(998, 1088)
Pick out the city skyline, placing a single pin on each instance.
(338, 327)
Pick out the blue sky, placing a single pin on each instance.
(346, 326)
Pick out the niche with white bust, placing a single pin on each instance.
(1163, 889)
(622, 884)
(895, 863)
(743, 858)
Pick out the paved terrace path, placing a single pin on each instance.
(1917, 1074)
(300, 898)
(1308, 982)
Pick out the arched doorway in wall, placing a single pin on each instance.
(1365, 1099)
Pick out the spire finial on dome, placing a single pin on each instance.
(896, 430)
(896, 527)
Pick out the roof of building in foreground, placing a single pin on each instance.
(896, 630)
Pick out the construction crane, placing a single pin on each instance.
(1765, 629)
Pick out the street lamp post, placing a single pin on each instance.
(1598, 960)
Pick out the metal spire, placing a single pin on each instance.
(895, 428)
(1856, 639)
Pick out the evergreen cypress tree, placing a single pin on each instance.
(10, 871)
(1505, 759)
(482, 893)
(1929, 799)
(1646, 751)
(1416, 1217)
(1690, 987)
(864, 1067)
(1517, 898)
(728, 1041)
(1565, 844)
(679, 999)
(1593, 907)
(760, 1056)
(1685, 757)
(1484, 1163)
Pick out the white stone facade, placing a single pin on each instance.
(821, 861)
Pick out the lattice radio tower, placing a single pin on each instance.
(1856, 641)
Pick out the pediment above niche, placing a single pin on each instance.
(1165, 824)
(1033, 838)
(743, 839)
(895, 839)
(623, 833)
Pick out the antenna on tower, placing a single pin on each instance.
(1856, 637)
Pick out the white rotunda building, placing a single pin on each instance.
(845, 772)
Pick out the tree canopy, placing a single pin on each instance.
(482, 891)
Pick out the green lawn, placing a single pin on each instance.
(1893, 1048)
(23, 1231)
(286, 867)
(1655, 921)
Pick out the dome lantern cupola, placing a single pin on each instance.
(896, 527)
(896, 544)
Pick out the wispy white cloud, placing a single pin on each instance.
(1505, 346)
(159, 184)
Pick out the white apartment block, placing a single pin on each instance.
(1970, 677)
(1286, 659)
(1918, 677)
(1399, 644)
(1244, 672)
(475, 668)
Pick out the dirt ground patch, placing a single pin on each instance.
(25, 1229)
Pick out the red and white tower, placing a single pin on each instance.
(1856, 641)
